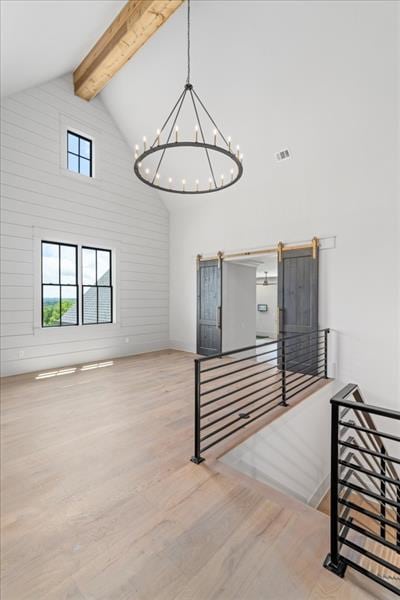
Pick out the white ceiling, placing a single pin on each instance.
(43, 39)
(272, 73)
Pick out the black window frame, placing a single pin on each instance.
(97, 286)
(59, 284)
(79, 155)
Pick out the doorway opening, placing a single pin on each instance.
(250, 301)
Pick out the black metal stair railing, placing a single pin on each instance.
(365, 490)
(234, 389)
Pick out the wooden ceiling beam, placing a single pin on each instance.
(133, 26)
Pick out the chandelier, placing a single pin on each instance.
(150, 164)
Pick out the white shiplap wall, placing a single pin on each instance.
(40, 199)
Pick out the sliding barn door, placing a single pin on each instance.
(209, 308)
(298, 307)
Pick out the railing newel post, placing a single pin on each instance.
(283, 372)
(383, 493)
(197, 458)
(326, 354)
(332, 561)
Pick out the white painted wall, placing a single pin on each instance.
(238, 297)
(266, 322)
(293, 453)
(40, 199)
(329, 94)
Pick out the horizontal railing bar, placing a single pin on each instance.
(238, 360)
(299, 376)
(364, 457)
(368, 554)
(389, 436)
(241, 407)
(361, 449)
(370, 575)
(244, 387)
(369, 473)
(212, 433)
(292, 348)
(316, 365)
(221, 387)
(367, 533)
(305, 387)
(248, 421)
(374, 439)
(361, 490)
(257, 364)
(227, 404)
(368, 513)
(246, 348)
(311, 382)
(368, 408)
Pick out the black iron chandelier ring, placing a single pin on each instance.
(213, 185)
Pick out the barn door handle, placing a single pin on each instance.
(218, 316)
(280, 319)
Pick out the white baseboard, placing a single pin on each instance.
(183, 346)
(320, 492)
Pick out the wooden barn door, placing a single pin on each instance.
(209, 307)
(298, 307)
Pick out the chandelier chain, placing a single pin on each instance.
(188, 42)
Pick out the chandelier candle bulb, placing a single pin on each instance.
(158, 177)
(237, 151)
(231, 174)
(215, 137)
(183, 184)
(176, 134)
(158, 137)
(229, 143)
(209, 183)
(197, 185)
(196, 133)
(222, 181)
(170, 181)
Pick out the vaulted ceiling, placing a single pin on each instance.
(275, 75)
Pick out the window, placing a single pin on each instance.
(59, 284)
(97, 304)
(79, 154)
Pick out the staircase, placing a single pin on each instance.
(365, 490)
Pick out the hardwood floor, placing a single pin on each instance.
(100, 501)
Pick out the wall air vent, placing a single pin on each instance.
(282, 155)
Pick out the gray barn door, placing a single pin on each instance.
(298, 308)
(209, 308)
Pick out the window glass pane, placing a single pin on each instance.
(73, 143)
(68, 264)
(50, 262)
(103, 268)
(84, 168)
(69, 313)
(85, 148)
(89, 305)
(89, 266)
(73, 163)
(104, 305)
(51, 305)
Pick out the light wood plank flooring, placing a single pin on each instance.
(100, 501)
